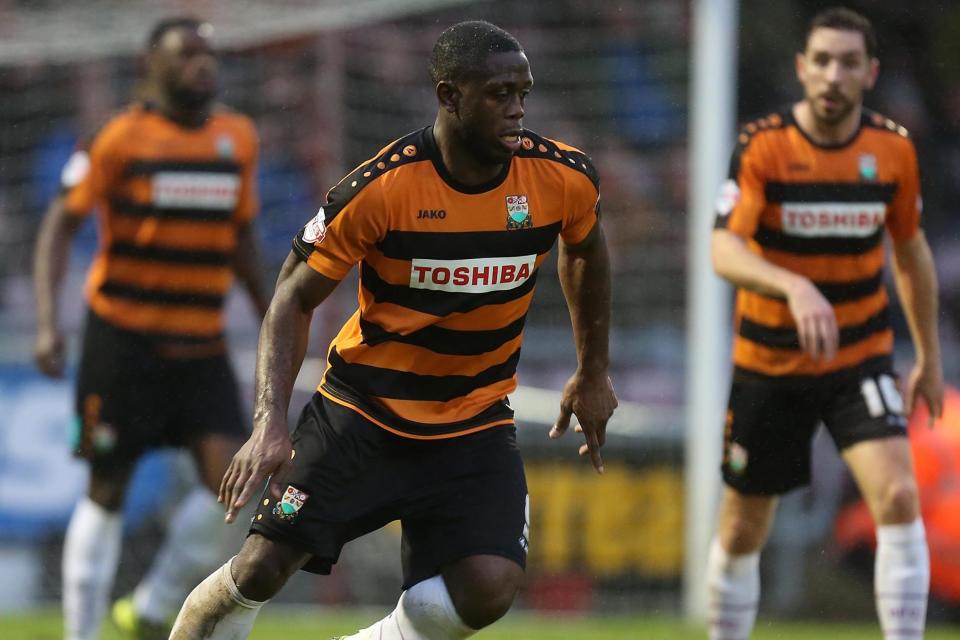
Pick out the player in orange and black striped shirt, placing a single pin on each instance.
(172, 181)
(448, 226)
(801, 221)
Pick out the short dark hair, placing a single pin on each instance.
(461, 51)
(845, 20)
(169, 24)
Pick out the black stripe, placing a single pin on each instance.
(829, 191)
(154, 296)
(176, 256)
(437, 303)
(438, 245)
(129, 208)
(446, 341)
(842, 292)
(581, 161)
(373, 381)
(150, 167)
(787, 338)
(499, 410)
(871, 366)
(819, 245)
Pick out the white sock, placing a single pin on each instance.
(216, 609)
(91, 552)
(734, 590)
(194, 546)
(425, 612)
(902, 579)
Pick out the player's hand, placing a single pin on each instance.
(48, 352)
(266, 454)
(816, 321)
(592, 400)
(925, 382)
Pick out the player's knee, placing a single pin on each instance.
(900, 502)
(262, 567)
(744, 533)
(485, 593)
(108, 491)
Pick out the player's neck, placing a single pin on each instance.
(191, 117)
(826, 133)
(463, 166)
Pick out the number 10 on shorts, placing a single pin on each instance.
(881, 396)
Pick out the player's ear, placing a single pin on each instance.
(798, 65)
(874, 72)
(448, 95)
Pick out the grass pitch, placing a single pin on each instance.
(306, 623)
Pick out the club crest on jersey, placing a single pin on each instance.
(315, 230)
(868, 166)
(290, 503)
(518, 213)
(225, 147)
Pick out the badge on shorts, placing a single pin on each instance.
(738, 458)
(290, 503)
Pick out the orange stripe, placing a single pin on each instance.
(171, 277)
(776, 313)
(394, 431)
(175, 234)
(138, 316)
(399, 319)
(827, 268)
(418, 360)
(462, 408)
(782, 362)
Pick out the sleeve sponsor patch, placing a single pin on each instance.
(76, 169)
(314, 231)
(728, 197)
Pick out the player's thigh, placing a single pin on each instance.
(347, 477)
(472, 502)
(208, 419)
(883, 470)
(767, 435)
(118, 410)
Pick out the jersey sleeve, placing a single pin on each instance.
(582, 208)
(248, 204)
(344, 230)
(741, 199)
(86, 177)
(903, 214)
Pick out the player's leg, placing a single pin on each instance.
(91, 551)
(867, 424)
(766, 453)
(464, 541)
(225, 605)
(884, 472)
(733, 564)
(112, 401)
(208, 421)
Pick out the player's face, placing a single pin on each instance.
(835, 71)
(491, 108)
(188, 66)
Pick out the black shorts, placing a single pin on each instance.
(129, 399)
(454, 497)
(770, 423)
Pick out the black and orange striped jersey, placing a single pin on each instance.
(170, 200)
(447, 273)
(819, 211)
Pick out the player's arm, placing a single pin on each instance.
(249, 267)
(283, 344)
(916, 282)
(50, 258)
(584, 270)
(813, 314)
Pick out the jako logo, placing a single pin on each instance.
(431, 214)
(844, 219)
(477, 275)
